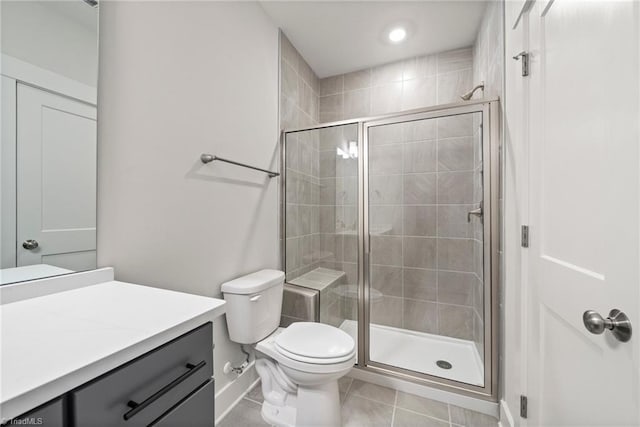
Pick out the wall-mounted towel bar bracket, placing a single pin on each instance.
(208, 158)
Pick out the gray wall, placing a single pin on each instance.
(170, 89)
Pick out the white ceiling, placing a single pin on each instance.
(336, 37)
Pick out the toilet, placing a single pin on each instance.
(299, 365)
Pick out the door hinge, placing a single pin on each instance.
(523, 406)
(525, 62)
(524, 237)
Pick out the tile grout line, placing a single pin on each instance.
(422, 414)
(393, 414)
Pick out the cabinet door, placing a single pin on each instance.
(48, 415)
(197, 410)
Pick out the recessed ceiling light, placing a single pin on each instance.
(397, 34)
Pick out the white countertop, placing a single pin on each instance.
(30, 272)
(54, 343)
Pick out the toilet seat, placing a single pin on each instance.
(312, 360)
(269, 348)
(315, 343)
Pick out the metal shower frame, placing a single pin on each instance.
(491, 151)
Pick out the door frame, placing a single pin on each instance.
(492, 194)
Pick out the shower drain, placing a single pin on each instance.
(444, 364)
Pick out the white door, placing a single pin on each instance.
(56, 180)
(584, 216)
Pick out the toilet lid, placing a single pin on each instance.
(315, 340)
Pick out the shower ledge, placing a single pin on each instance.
(319, 279)
(375, 230)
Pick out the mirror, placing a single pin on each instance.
(49, 71)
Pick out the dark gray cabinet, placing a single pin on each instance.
(196, 410)
(51, 414)
(168, 386)
(141, 391)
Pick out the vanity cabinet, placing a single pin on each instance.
(51, 414)
(169, 386)
(141, 391)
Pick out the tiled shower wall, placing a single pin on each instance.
(299, 100)
(424, 250)
(423, 180)
(403, 85)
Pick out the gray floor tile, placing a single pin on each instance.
(468, 418)
(404, 418)
(424, 406)
(255, 393)
(372, 391)
(245, 414)
(344, 384)
(360, 412)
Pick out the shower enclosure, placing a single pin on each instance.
(394, 220)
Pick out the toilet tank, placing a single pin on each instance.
(254, 303)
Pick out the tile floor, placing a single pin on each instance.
(369, 405)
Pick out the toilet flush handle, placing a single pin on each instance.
(255, 298)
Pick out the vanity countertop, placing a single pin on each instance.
(54, 343)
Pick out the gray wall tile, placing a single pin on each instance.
(386, 250)
(455, 254)
(455, 154)
(419, 252)
(455, 187)
(456, 288)
(420, 220)
(452, 221)
(419, 189)
(357, 103)
(386, 98)
(419, 156)
(387, 311)
(456, 321)
(387, 279)
(421, 316)
(420, 284)
(357, 80)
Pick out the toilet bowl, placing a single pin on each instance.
(299, 365)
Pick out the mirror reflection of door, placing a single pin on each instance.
(56, 170)
(49, 71)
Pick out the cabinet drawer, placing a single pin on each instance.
(142, 390)
(48, 415)
(195, 411)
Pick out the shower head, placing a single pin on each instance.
(467, 96)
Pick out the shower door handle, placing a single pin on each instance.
(477, 212)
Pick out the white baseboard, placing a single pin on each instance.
(232, 393)
(478, 405)
(506, 419)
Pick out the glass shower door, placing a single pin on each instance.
(425, 297)
(322, 224)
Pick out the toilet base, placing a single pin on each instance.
(287, 405)
(319, 406)
(280, 416)
(315, 407)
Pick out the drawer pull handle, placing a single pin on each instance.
(137, 407)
